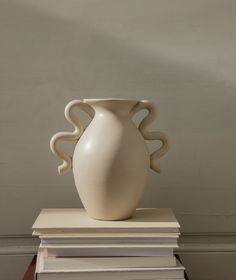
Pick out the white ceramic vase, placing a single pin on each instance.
(111, 161)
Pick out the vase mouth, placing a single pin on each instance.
(87, 100)
(119, 106)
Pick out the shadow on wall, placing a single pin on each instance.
(47, 52)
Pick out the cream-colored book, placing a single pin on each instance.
(108, 251)
(109, 246)
(103, 263)
(120, 239)
(107, 268)
(76, 221)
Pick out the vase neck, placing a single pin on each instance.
(118, 107)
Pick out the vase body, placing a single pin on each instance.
(111, 162)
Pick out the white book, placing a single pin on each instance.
(132, 249)
(105, 268)
(68, 264)
(112, 246)
(73, 220)
(103, 252)
(107, 276)
(49, 240)
(106, 235)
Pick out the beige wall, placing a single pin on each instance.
(179, 54)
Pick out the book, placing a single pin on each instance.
(107, 239)
(107, 268)
(118, 246)
(68, 263)
(122, 251)
(76, 221)
(131, 275)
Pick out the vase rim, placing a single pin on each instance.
(107, 99)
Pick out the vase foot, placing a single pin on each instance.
(103, 218)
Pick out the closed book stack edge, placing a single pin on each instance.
(74, 246)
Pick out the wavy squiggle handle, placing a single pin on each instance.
(155, 135)
(69, 136)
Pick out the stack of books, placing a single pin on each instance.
(75, 246)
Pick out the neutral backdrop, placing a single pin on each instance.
(179, 54)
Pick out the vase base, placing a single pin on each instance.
(127, 217)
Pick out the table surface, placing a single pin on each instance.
(29, 274)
